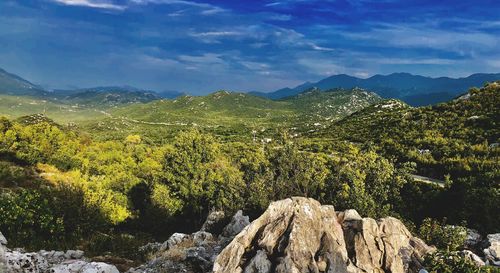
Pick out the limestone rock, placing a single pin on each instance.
(215, 222)
(194, 252)
(473, 257)
(492, 252)
(3, 249)
(71, 261)
(301, 235)
(94, 267)
(174, 240)
(238, 222)
(473, 239)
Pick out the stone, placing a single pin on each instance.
(68, 267)
(175, 239)
(492, 250)
(3, 241)
(259, 264)
(74, 254)
(472, 257)
(301, 235)
(348, 215)
(473, 239)
(17, 262)
(194, 252)
(237, 224)
(201, 238)
(215, 222)
(71, 261)
(95, 267)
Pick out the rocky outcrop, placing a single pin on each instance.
(71, 261)
(3, 249)
(492, 250)
(293, 235)
(194, 252)
(301, 235)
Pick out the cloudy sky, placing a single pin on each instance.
(198, 46)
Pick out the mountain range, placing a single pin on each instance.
(413, 89)
(11, 84)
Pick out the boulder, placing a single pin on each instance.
(473, 239)
(174, 240)
(3, 249)
(215, 222)
(194, 252)
(492, 250)
(71, 261)
(300, 235)
(94, 267)
(238, 222)
(472, 257)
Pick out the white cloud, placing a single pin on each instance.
(207, 58)
(216, 34)
(99, 4)
(206, 9)
(423, 36)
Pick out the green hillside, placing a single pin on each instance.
(315, 105)
(107, 96)
(234, 114)
(17, 106)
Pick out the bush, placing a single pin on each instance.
(441, 235)
(452, 262)
(48, 218)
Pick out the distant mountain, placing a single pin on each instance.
(170, 94)
(12, 84)
(413, 89)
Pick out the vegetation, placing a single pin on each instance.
(124, 180)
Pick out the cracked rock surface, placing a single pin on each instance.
(300, 235)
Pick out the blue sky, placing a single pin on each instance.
(201, 46)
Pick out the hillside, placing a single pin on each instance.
(314, 105)
(12, 84)
(231, 113)
(17, 106)
(458, 137)
(413, 89)
(110, 96)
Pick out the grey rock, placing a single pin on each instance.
(3, 241)
(74, 254)
(492, 250)
(98, 268)
(472, 257)
(174, 240)
(237, 224)
(202, 238)
(259, 264)
(214, 222)
(473, 239)
(308, 237)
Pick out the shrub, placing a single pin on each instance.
(452, 262)
(441, 235)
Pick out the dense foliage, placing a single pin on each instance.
(456, 142)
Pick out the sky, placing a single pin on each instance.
(199, 46)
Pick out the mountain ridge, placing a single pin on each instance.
(415, 90)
